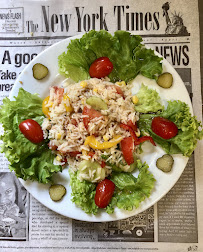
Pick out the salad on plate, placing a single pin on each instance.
(93, 125)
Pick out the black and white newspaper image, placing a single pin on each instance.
(175, 222)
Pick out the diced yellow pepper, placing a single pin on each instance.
(135, 99)
(93, 143)
(68, 108)
(83, 84)
(45, 109)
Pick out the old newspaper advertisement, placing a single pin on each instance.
(175, 223)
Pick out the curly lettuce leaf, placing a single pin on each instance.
(83, 193)
(128, 55)
(189, 128)
(28, 160)
(132, 191)
(149, 100)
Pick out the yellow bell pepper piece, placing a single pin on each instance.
(94, 144)
(68, 108)
(45, 109)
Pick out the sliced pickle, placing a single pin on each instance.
(39, 71)
(165, 163)
(57, 192)
(165, 80)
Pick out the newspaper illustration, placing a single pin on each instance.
(172, 29)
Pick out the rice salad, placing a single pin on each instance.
(68, 131)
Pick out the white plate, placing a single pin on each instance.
(164, 181)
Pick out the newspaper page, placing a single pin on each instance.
(175, 223)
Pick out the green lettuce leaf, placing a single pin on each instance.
(128, 55)
(28, 160)
(189, 129)
(149, 100)
(83, 193)
(132, 191)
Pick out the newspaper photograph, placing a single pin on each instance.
(175, 222)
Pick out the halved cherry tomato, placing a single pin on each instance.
(104, 193)
(91, 113)
(32, 131)
(164, 127)
(127, 148)
(101, 67)
(117, 89)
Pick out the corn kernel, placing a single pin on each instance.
(58, 136)
(84, 152)
(137, 134)
(58, 158)
(121, 83)
(95, 90)
(135, 99)
(106, 138)
(83, 84)
(68, 108)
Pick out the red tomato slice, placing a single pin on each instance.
(164, 127)
(74, 122)
(132, 132)
(74, 153)
(32, 131)
(127, 147)
(104, 193)
(103, 164)
(145, 138)
(91, 154)
(133, 126)
(91, 113)
(101, 67)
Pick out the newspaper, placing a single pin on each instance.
(175, 223)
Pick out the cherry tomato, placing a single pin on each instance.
(164, 127)
(127, 148)
(104, 193)
(91, 113)
(100, 68)
(31, 130)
